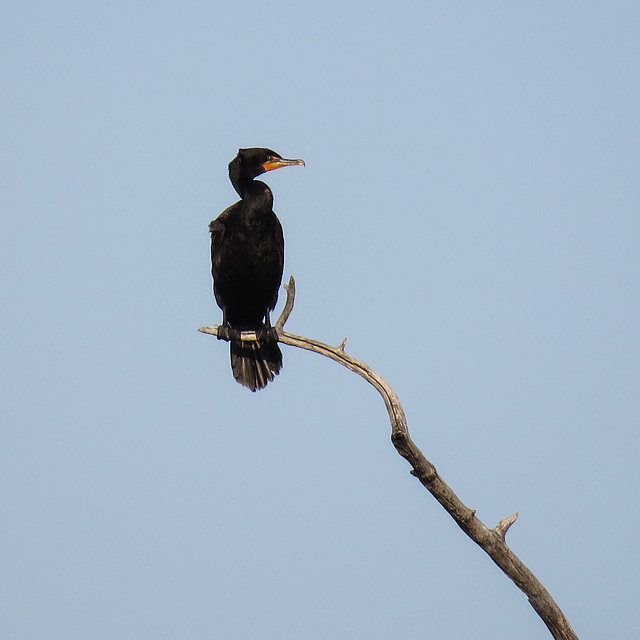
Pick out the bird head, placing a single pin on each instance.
(253, 162)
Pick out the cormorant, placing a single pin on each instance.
(247, 258)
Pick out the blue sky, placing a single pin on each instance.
(468, 218)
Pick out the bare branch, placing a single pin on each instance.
(503, 526)
(491, 540)
(288, 305)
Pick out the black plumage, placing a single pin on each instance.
(247, 259)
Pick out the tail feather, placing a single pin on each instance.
(255, 363)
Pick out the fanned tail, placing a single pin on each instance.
(255, 363)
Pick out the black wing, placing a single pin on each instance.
(217, 229)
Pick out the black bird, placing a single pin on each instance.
(247, 258)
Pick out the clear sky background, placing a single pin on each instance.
(468, 218)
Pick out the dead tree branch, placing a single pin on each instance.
(491, 540)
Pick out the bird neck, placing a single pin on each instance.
(257, 196)
(242, 179)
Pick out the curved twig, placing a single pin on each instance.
(491, 540)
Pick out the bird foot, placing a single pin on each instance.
(267, 334)
(227, 333)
